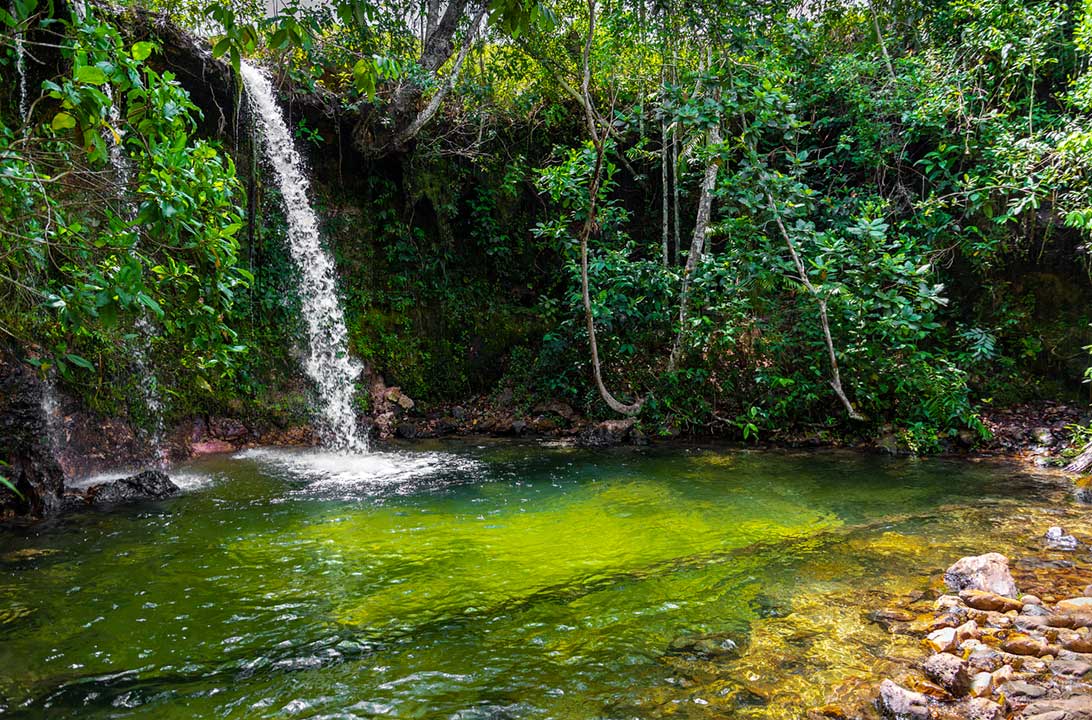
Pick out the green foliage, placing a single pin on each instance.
(112, 211)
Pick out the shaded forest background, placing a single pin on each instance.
(795, 215)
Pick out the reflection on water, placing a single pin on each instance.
(491, 582)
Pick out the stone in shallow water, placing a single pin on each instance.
(1057, 539)
(989, 572)
(984, 600)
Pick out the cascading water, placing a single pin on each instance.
(51, 413)
(328, 362)
(20, 67)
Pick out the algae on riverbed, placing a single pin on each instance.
(501, 581)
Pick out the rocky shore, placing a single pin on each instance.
(999, 649)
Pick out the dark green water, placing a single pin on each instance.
(456, 581)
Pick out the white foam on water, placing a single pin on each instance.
(186, 480)
(351, 475)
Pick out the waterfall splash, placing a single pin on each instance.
(328, 362)
(20, 67)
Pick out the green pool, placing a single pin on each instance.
(486, 581)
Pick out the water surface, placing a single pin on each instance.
(490, 581)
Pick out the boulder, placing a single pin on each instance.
(148, 485)
(898, 703)
(989, 572)
(25, 445)
(228, 429)
(607, 433)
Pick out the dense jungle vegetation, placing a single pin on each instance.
(724, 217)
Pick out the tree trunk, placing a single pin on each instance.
(835, 375)
(590, 223)
(1082, 462)
(697, 244)
(665, 224)
(433, 106)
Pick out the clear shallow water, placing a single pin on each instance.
(492, 581)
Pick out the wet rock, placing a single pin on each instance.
(949, 672)
(1033, 611)
(211, 447)
(1057, 539)
(946, 639)
(981, 684)
(1021, 691)
(984, 658)
(984, 600)
(942, 640)
(1021, 644)
(606, 433)
(898, 703)
(1077, 707)
(989, 572)
(148, 485)
(981, 708)
(228, 429)
(1072, 669)
(1074, 605)
(1082, 490)
(561, 409)
(407, 430)
(889, 617)
(705, 646)
(24, 443)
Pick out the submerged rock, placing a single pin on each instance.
(1057, 539)
(989, 572)
(705, 646)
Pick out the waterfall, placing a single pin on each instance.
(328, 362)
(20, 66)
(51, 413)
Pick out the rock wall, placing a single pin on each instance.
(25, 447)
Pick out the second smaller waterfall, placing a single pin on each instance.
(20, 67)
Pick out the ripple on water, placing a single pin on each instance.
(351, 476)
